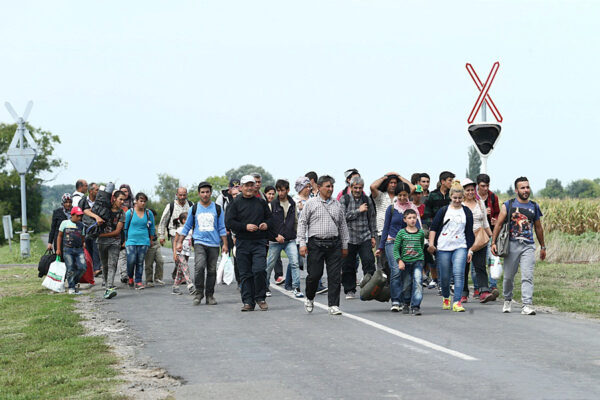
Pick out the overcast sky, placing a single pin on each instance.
(195, 88)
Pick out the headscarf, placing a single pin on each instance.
(128, 202)
(301, 183)
(66, 197)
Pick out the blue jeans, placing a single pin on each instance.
(412, 286)
(395, 274)
(291, 251)
(75, 263)
(135, 261)
(452, 263)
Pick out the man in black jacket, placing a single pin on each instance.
(249, 218)
(282, 234)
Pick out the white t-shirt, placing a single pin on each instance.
(187, 242)
(452, 236)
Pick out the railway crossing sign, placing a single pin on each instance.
(484, 96)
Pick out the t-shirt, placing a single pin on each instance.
(208, 229)
(285, 204)
(186, 247)
(408, 246)
(111, 226)
(421, 208)
(72, 234)
(453, 236)
(139, 229)
(382, 202)
(523, 217)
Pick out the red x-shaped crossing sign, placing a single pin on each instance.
(483, 93)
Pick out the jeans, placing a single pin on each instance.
(75, 263)
(412, 287)
(395, 274)
(154, 255)
(522, 254)
(316, 260)
(135, 261)
(205, 259)
(291, 250)
(92, 248)
(349, 266)
(251, 262)
(109, 254)
(452, 263)
(478, 272)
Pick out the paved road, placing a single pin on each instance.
(367, 353)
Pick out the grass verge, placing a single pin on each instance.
(43, 354)
(38, 248)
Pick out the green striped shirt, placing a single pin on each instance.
(408, 247)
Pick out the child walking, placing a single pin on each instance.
(408, 252)
(181, 258)
(70, 244)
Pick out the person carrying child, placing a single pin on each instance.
(408, 253)
(69, 245)
(182, 270)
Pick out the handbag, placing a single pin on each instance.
(45, 262)
(503, 240)
(55, 280)
(481, 236)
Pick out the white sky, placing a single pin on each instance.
(195, 88)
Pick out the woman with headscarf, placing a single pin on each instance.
(128, 202)
(58, 216)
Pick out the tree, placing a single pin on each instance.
(510, 191)
(583, 188)
(166, 189)
(474, 164)
(52, 196)
(10, 183)
(553, 189)
(267, 178)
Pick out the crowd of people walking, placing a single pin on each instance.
(417, 237)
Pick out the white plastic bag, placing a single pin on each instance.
(221, 268)
(55, 279)
(495, 267)
(228, 271)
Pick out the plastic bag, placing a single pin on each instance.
(228, 271)
(495, 267)
(221, 269)
(55, 279)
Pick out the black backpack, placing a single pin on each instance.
(45, 261)
(171, 208)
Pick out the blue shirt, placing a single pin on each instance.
(522, 220)
(136, 229)
(208, 228)
(394, 222)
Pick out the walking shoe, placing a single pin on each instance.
(139, 286)
(110, 293)
(446, 303)
(458, 307)
(210, 300)
(298, 294)
(198, 299)
(439, 291)
(247, 307)
(528, 310)
(406, 309)
(415, 311)
(309, 305)
(426, 282)
(322, 289)
(334, 310)
(263, 305)
(395, 307)
(191, 289)
(176, 291)
(486, 297)
(268, 293)
(71, 291)
(279, 280)
(464, 299)
(476, 293)
(495, 292)
(432, 285)
(149, 284)
(130, 282)
(159, 282)
(350, 295)
(506, 308)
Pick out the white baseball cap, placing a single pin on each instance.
(246, 179)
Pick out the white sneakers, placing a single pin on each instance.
(506, 307)
(350, 295)
(309, 305)
(528, 310)
(334, 310)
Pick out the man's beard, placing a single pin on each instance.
(525, 197)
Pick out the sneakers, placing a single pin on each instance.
(415, 311)
(279, 280)
(322, 289)
(159, 282)
(406, 309)
(458, 307)
(110, 293)
(297, 293)
(210, 300)
(350, 295)
(176, 291)
(309, 305)
(139, 286)
(432, 285)
(246, 307)
(395, 307)
(528, 310)
(130, 282)
(268, 293)
(485, 297)
(191, 288)
(198, 299)
(506, 308)
(476, 293)
(464, 299)
(149, 284)
(72, 291)
(446, 303)
(334, 310)
(495, 292)
(263, 305)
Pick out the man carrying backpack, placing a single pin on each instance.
(208, 222)
(166, 226)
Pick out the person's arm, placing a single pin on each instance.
(163, 225)
(409, 183)
(152, 226)
(436, 224)
(350, 214)
(372, 222)
(375, 186)
(345, 235)
(267, 218)
(386, 226)
(52, 234)
(232, 219)
(59, 243)
(302, 225)
(486, 223)
(222, 232)
(89, 213)
(501, 217)
(398, 246)
(128, 216)
(539, 233)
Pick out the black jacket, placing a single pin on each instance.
(285, 227)
(58, 216)
(243, 211)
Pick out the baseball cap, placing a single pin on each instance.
(247, 179)
(349, 172)
(76, 211)
(233, 182)
(204, 184)
(418, 189)
(465, 182)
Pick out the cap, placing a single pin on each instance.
(76, 211)
(418, 189)
(233, 182)
(465, 182)
(247, 179)
(301, 183)
(204, 184)
(349, 172)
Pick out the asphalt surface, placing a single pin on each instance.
(368, 352)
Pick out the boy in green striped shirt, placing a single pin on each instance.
(408, 252)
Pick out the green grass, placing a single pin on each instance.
(43, 354)
(38, 248)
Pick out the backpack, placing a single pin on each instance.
(195, 208)
(129, 223)
(48, 258)
(171, 208)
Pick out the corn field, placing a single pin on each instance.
(573, 216)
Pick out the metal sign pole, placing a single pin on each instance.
(25, 243)
(484, 119)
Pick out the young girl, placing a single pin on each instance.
(181, 258)
(139, 228)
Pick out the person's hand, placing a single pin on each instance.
(363, 207)
(300, 206)
(494, 220)
(225, 249)
(179, 247)
(344, 253)
(401, 265)
(303, 251)
(542, 254)
(162, 242)
(392, 173)
(489, 211)
(99, 220)
(251, 228)
(469, 256)
(280, 239)
(49, 246)
(378, 253)
(373, 243)
(175, 257)
(431, 249)
(263, 226)
(494, 249)
(58, 252)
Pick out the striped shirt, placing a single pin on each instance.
(382, 202)
(408, 247)
(322, 219)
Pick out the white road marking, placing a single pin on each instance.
(389, 330)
